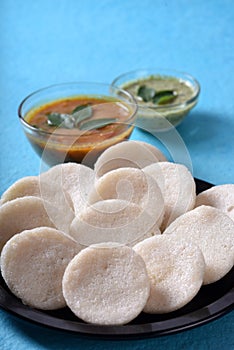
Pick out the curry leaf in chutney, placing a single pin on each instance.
(146, 93)
(164, 97)
(157, 97)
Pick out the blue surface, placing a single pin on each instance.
(45, 42)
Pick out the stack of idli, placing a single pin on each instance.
(126, 237)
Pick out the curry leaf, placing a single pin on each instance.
(82, 112)
(55, 119)
(80, 107)
(164, 97)
(97, 123)
(146, 93)
(70, 121)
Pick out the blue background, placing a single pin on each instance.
(45, 42)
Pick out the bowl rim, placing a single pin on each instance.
(144, 73)
(48, 87)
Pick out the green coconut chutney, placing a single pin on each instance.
(161, 97)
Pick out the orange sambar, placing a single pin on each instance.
(58, 144)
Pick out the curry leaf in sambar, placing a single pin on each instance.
(54, 119)
(82, 112)
(97, 123)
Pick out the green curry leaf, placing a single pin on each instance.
(146, 93)
(79, 108)
(70, 121)
(97, 123)
(82, 112)
(149, 94)
(164, 97)
(55, 119)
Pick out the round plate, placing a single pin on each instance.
(211, 302)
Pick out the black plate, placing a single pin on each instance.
(211, 302)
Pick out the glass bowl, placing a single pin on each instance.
(164, 97)
(61, 121)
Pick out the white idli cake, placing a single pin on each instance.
(132, 185)
(175, 269)
(27, 186)
(213, 232)
(57, 201)
(22, 214)
(113, 220)
(106, 284)
(126, 154)
(33, 263)
(220, 197)
(178, 189)
(72, 182)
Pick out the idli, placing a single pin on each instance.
(33, 263)
(178, 189)
(55, 196)
(26, 186)
(175, 269)
(113, 220)
(136, 154)
(213, 232)
(220, 197)
(22, 214)
(106, 284)
(67, 187)
(132, 185)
